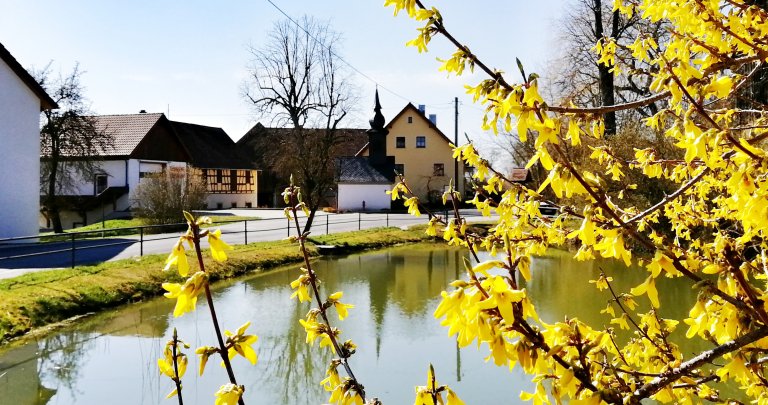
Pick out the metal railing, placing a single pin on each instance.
(67, 245)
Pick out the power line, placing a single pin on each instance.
(335, 54)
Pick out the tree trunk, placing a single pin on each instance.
(606, 77)
(51, 204)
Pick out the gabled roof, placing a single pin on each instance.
(357, 170)
(419, 114)
(127, 129)
(203, 146)
(259, 142)
(46, 102)
(210, 147)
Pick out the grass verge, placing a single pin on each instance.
(38, 299)
(124, 227)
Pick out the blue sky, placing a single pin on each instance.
(189, 57)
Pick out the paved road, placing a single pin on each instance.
(272, 226)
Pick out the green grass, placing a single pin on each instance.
(371, 238)
(114, 227)
(36, 299)
(110, 224)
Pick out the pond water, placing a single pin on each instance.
(111, 358)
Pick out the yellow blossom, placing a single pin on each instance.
(186, 294)
(341, 308)
(240, 343)
(218, 246)
(229, 394)
(205, 352)
(178, 258)
(412, 204)
(300, 285)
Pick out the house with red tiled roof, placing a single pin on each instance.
(21, 100)
(147, 143)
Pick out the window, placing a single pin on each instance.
(421, 142)
(249, 205)
(233, 180)
(234, 205)
(247, 177)
(438, 169)
(219, 176)
(400, 168)
(410, 120)
(219, 205)
(400, 142)
(100, 183)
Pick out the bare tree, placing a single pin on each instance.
(297, 79)
(585, 81)
(70, 142)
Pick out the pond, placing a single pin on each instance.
(112, 357)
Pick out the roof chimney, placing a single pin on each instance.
(143, 112)
(433, 118)
(422, 108)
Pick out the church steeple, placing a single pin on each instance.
(378, 119)
(377, 140)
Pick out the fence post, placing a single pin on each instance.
(289, 227)
(141, 241)
(387, 220)
(246, 231)
(73, 250)
(358, 221)
(326, 223)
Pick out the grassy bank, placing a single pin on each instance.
(37, 299)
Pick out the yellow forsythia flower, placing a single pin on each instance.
(240, 343)
(218, 246)
(166, 366)
(205, 352)
(178, 258)
(412, 204)
(332, 381)
(186, 295)
(300, 285)
(341, 308)
(229, 394)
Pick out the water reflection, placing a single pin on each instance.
(111, 357)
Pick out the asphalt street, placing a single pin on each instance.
(20, 258)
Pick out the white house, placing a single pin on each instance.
(21, 100)
(148, 143)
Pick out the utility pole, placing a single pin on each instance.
(456, 143)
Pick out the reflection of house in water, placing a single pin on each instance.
(406, 279)
(19, 379)
(56, 359)
(419, 276)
